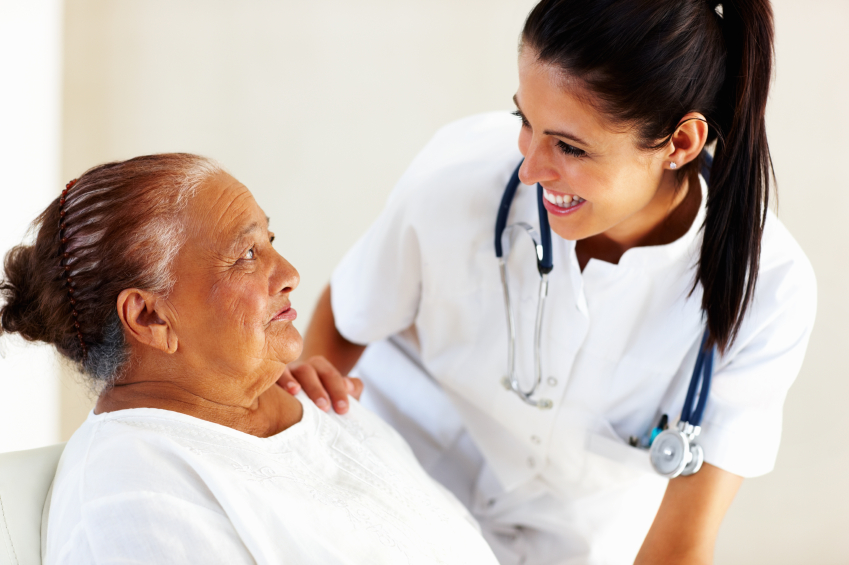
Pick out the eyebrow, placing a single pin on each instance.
(249, 229)
(565, 135)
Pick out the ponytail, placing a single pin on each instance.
(738, 196)
(649, 64)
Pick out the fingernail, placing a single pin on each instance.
(293, 387)
(322, 403)
(350, 384)
(341, 405)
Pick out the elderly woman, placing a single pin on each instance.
(157, 276)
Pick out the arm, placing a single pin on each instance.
(326, 357)
(325, 340)
(688, 520)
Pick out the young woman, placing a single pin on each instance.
(661, 276)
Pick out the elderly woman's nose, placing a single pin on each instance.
(285, 277)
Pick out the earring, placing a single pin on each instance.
(672, 165)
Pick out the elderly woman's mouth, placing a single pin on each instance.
(287, 314)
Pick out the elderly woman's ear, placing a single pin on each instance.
(148, 319)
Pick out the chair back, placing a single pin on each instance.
(26, 477)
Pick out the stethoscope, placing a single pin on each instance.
(672, 452)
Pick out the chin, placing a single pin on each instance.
(569, 231)
(293, 349)
(287, 344)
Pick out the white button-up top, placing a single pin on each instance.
(619, 345)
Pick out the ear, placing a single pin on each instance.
(687, 142)
(148, 319)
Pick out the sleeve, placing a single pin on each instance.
(147, 527)
(741, 428)
(376, 289)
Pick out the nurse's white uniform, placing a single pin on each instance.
(562, 485)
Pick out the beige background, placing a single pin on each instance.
(318, 107)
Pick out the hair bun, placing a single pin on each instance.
(22, 288)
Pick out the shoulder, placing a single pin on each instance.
(782, 312)
(368, 429)
(785, 272)
(106, 466)
(475, 137)
(471, 154)
(129, 488)
(116, 454)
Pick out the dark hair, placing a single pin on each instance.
(119, 226)
(650, 62)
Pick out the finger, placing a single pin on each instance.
(333, 381)
(355, 386)
(307, 376)
(288, 382)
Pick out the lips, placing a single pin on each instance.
(286, 314)
(561, 204)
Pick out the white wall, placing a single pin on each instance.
(318, 107)
(30, 59)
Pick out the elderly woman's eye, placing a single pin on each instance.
(249, 254)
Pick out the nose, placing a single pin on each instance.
(538, 165)
(284, 277)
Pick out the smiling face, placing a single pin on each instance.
(596, 177)
(233, 315)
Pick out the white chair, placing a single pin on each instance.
(26, 479)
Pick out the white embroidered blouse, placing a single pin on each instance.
(154, 486)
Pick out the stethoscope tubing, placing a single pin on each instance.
(699, 384)
(545, 261)
(544, 258)
(504, 210)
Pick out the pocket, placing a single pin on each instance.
(611, 462)
(595, 458)
(634, 458)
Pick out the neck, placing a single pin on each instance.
(262, 414)
(665, 219)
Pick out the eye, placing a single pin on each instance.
(521, 116)
(569, 150)
(249, 254)
(271, 238)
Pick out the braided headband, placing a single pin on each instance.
(69, 282)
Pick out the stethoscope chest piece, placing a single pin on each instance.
(670, 453)
(695, 463)
(673, 452)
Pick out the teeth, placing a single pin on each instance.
(566, 201)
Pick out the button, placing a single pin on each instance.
(535, 440)
(531, 462)
(552, 381)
